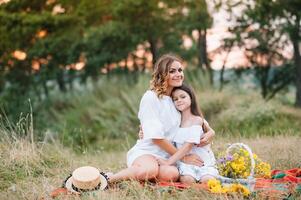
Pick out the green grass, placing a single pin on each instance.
(106, 113)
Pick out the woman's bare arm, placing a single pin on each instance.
(165, 145)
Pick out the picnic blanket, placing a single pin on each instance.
(282, 185)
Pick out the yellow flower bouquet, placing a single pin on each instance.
(238, 162)
(238, 167)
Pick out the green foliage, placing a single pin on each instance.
(107, 112)
(20, 22)
(101, 33)
(98, 33)
(249, 116)
(197, 16)
(105, 45)
(144, 18)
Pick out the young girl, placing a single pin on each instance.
(189, 134)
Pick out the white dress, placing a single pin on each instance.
(159, 119)
(193, 134)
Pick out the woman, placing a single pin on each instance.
(159, 119)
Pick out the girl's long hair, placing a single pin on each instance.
(159, 80)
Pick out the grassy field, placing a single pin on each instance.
(96, 125)
(32, 171)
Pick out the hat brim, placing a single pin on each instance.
(104, 181)
(68, 185)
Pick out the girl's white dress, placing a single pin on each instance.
(193, 134)
(159, 119)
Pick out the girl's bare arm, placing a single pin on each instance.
(180, 153)
(192, 159)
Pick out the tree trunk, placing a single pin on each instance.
(262, 73)
(201, 50)
(264, 81)
(203, 57)
(297, 61)
(46, 92)
(221, 78)
(60, 81)
(153, 49)
(223, 68)
(135, 65)
(36, 90)
(295, 37)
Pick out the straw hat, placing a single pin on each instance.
(86, 179)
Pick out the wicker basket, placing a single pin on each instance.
(250, 180)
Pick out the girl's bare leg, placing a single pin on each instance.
(143, 168)
(168, 173)
(187, 179)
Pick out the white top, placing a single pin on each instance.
(159, 119)
(193, 134)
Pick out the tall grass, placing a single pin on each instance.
(249, 115)
(21, 156)
(104, 115)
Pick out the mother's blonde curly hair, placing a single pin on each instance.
(159, 80)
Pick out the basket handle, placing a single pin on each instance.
(246, 147)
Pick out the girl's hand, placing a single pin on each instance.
(193, 159)
(162, 161)
(140, 134)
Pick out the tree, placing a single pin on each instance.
(227, 47)
(45, 35)
(146, 20)
(195, 17)
(277, 22)
(107, 44)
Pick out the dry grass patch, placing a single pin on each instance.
(281, 152)
(32, 171)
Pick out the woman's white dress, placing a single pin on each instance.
(193, 134)
(159, 119)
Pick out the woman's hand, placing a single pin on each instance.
(193, 159)
(162, 161)
(206, 138)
